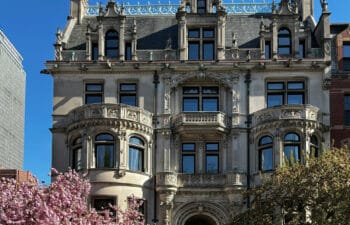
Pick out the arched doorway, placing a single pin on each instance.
(200, 220)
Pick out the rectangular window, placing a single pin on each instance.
(128, 94)
(102, 203)
(212, 158)
(347, 110)
(201, 44)
(200, 99)
(93, 93)
(346, 56)
(188, 158)
(128, 55)
(94, 52)
(267, 49)
(201, 6)
(287, 92)
(301, 49)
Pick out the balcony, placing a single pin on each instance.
(284, 113)
(201, 120)
(107, 114)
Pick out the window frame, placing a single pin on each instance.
(314, 146)
(265, 147)
(268, 49)
(141, 150)
(124, 93)
(94, 51)
(76, 147)
(97, 93)
(301, 49)
(292, 143)
(280, 46)
(105, 143)
(108, 47)
(201, 9)
(209, 153)
(285, 92)
(346, 57)
(201, 97)
(186, 153)
(103, 197)
(128, 51)
(201, 40)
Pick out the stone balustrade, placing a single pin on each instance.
(203, 119)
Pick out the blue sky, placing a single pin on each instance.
(31, 27)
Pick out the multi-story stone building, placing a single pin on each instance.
(185, 105)
(12, 97)
(340, 85)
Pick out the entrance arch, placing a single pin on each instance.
(200, 220)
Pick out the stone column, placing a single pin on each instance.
(123, 154)
(274, 39)
(88, 43)
(182, 36)
(221, 24)
(122, 39)
(101, 42)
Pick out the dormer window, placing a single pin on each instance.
(346, 56)
(112, 44)
(284, 42)
(201, 44)
(201, 6)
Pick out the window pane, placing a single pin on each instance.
(188, 147)
(295, 99)
(295, 85)
(112, 43)
(94, 52)
(93, 87)
(77, 163)
(291, 137)
(190, 104)
(193, 51)
(104, 156)
(191, 90)
(208, 51)
(212, 147)
(284, 50)
(346, 50)
(266, 162)
(188, 164)
(275, 86)
(104, 137)
(291, 153)
(284, 41)
(208, 33)
(136, 141)
(128, 100)
(274, 99)
(267, 50)
(301, 50)
(283, 31)
(210, 104)
(102, 204)
(128, 54)
(347, 102)
(193, 33)
(346, 64)
(128, 87)
(210, 90)
(265, 140)
(212, 163)
(135, 159)
(93, 98)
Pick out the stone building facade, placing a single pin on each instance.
(12, 100)
(185, 105)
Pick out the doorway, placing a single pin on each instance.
(200, 220)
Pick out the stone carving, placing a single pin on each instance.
(291, 114)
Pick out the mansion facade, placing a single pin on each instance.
(185, 106)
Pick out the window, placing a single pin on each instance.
(287, 92)
(128, 55)
(127, 93)
(188, 158)
(112, 44)
(76, 154)
(136, 154)
(346, 56)
(200, 99)
(284, 42)
(201, 6)
(94, 50)
(267, 49)
(103, 203)
(292, 147)
(201, 44)
(212, 158)
(265, 153)
(301, 49)
(347, 110)
(104, 151)
(314, 150)
(93, 93)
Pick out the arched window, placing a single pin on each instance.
(284, 42)
(76, 154)
(112, 44)
(265, 149)
(292, 147)
(104, 151)
(314, 149)
(136, 154)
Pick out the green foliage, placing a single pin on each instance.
(314, 193)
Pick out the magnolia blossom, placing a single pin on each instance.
(64, 202)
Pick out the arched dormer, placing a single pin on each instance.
(112, 44)
(284, 41)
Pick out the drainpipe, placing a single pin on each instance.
(247, 81)
(154, 169)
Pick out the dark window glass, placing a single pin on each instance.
(77, 163)
(101, 204)
(193, 51)
(302, 49)
(346, 56)
(346, 50)
(128, 54)
(193, 33)
(136, 154)
(190, 104)
(291, 137)
(94, 51)
(292, 147)
(201, 6)
(275, 86)
(284, 42)
(191, 90)
(293, 99)
(188, 164)
(208, 50)
(314, 150)
(112, 44)
(208, 33)
(210, 90)
(274, 99)
(295, 85)
(93, 93)
(189, 147)
(278, 95)
(210, 104)
(104, 151)
(347, 109)
(128, 93)
(267, 50)
(265, 153)
(212, 163)
(212, 146)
